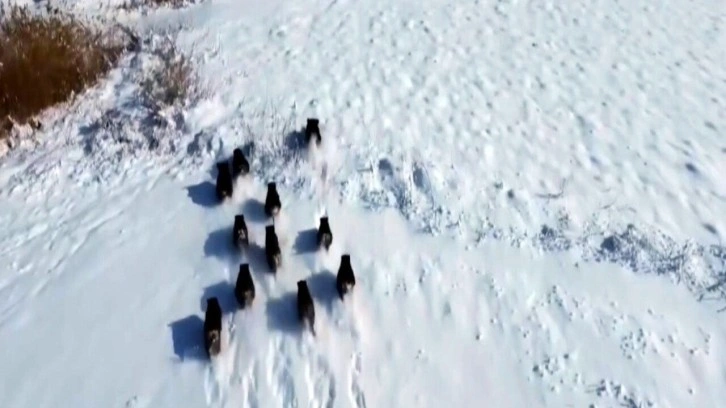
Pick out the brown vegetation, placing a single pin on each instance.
(46, 59)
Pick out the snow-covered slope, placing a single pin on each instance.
(531, 194)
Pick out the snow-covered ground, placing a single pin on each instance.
(529, 192)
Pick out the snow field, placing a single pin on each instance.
(453, 131)
(440, 316)
(583, 108)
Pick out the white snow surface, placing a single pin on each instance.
(531, 193)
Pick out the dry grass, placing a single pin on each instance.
(136, 4)
(46, 59)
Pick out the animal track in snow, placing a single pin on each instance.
(356, 391)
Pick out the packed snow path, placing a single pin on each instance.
(454, 131)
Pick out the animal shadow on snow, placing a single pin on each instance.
(213, 168)
(219, 244)
(295, 140)
(322, 288)
(248, 149)
(282, 314)
(187, 338)
(257, 259)
(254, 211)
(224, 292)
(306, 241)
(203, 194)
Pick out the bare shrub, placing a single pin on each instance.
(48, 58)
(151, 118)
(172, 80)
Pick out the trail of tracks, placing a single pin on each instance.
(267, 358)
